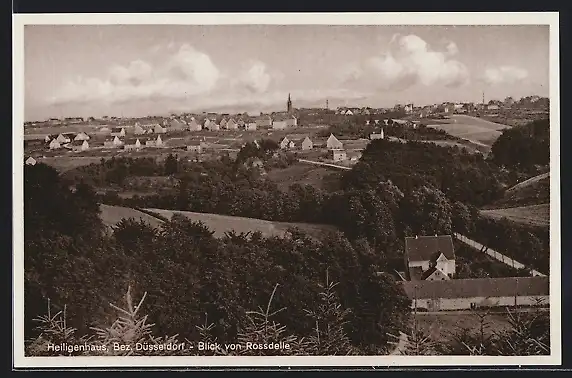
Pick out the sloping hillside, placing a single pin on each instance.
(223, 223)
(534, 191)
(111, 215)
(535, 215)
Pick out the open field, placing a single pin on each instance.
(66, 163)
(111, 215)
(529, 182)
(444, 325)
(476, 130)
(224, 223)
(534, 215)
(469, 146)
(305, 174)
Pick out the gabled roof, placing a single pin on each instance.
(430, 271)
(478, 287)
(424, 248)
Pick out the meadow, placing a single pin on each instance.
(220, 224)
(476, 130)
(534, 215)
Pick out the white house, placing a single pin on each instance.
(465, 294)
(81, 136)
(338, 155)
(194, 125)
(79, 145)
(349, 112)
(307, 144)
(113, 142)
(132, 145)
(30, 161)
(333, 143)
(118, 132)
(264, 121)
(158, 129)
(377, 136)
(284, 143)
(231, 125)
(250, 126)
(62, 139)
(154, 142)
(426, 252)
(138, 130)
(55, 144)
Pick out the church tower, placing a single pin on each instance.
(289, 104)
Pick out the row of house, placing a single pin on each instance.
(431, 285)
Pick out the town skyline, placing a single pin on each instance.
(138, 70)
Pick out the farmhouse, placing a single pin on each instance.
(118, 131)
(222, 123)
(440, 295)
(194, 125)
(423, 253)
(307, 144)
(251, 126)
(177, 125)
(284, 143)
(333, 143)
(231, 125)
(54, 144)
(81, 136)
(30, 161)
(195, 146)
(282, 121)
(132, 144)
(47, 138)
(62, 139)
(158, 129)
(113, 142)
(79, 145)
(154, 142)
(138, 130)
(338, 155)
(264, 121)
(376, 136)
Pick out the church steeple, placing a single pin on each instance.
(289, 104)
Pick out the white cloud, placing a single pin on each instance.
(408, 61)
(185, 73)
(504, 75)
(255, 78)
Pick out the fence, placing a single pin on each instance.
(494, 254)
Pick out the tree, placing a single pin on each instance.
(461, 220)
(426, 211)
(171, 165)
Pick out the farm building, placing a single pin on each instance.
(338, 155)
(195, 146)
(138, 130)
(47, 138)
(284, 143)
(158, 129)
(79, 145)
(251, 126)
(118, 132)
(264, 121)
(283, 121)
(30, 161)
(241, 123)
(177, 125)
(422, 253)
(104, 130)
(194, 125)
(231, 125)
(158, 142)
(376, 135)
(307, 144)
(81, 136)
(333, 143)
(440, 295)
(348, 112)
(113, 142)
(207, 124)
(62, 139)
(222, 123)
(132, 144)
(54, 144)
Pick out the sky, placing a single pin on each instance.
(140, 70)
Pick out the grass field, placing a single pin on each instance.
(223, 223)
(477, 130)
(305, 174)
(111, 215)
(66, 163)
(443, 326)
(534, 215)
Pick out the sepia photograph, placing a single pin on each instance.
(286, 190)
